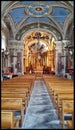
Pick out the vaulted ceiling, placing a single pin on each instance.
(23, 17)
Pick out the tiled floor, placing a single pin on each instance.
(40, 112)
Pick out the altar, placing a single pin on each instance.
(39, 68)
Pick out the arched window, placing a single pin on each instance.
(3, 43)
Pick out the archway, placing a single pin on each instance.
(39, 51)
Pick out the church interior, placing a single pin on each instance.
(37, 64)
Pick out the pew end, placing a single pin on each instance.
(8, 121)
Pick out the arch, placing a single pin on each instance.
(45, 30)
(43, 26)
(68, 21)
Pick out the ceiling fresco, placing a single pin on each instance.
(45, 19)
(17, 14)
(38, 10)
(41, 10)
(25, 16)
(60, 14)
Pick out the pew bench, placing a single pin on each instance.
(58, 101)
(8, 121)
(17, 87)
(14, 104)
(70, 124)
(64, 97)
(16, 90)
(16, 95)
(67, 111)
(55, 94)
(60, 90)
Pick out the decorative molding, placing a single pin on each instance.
(58, 46)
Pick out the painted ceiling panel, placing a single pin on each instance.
(27, 2)
(47, 2)
(18, 14)
(38, 10)
(50, 2)
(59, 14)
(38, 19)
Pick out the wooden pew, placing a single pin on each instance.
(70, 123)
(61, 97)
(18, 85)
(15, 85)
(15, 90)
(67, 108)
(55, 80)
(60, 86)
(13, 104)
(16, 95)
(60, 90)
(55, 95)
(8, 121)
(65, 85)
(55, 86)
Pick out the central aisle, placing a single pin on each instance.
(40, 113)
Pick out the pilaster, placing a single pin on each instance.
(16, 47)
(58, 51)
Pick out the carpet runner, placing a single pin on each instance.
(40, 113)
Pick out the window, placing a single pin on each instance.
(3, 43)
